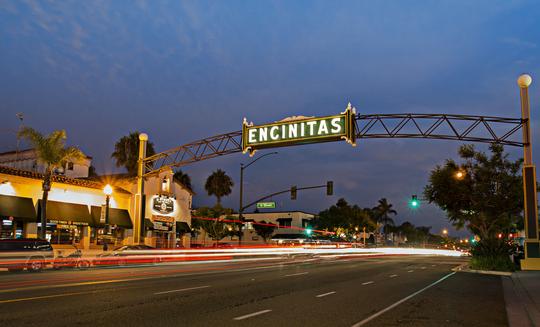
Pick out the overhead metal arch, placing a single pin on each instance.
(484, 129)
(466, 128)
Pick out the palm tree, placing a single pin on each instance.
(126, 152)
(183, 179)
(383, 211)
(219, 185)
(52, 154)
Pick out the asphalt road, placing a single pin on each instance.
(383, 291)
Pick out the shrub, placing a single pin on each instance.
(497, 263)
(492, 254)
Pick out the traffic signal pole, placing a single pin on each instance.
(241, 206)
(287, 191)
(532, 244)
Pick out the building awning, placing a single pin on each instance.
(67, 213)
(182, 227)
(17, 207)
(118, 217)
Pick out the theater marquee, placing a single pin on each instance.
(299, 130)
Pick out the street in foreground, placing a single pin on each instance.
(344, 292)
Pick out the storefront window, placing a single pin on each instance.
(10, 228)
(99, 237)
(64, 234)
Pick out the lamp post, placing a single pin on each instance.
(532, 244)
(241, 208)
(107, 190)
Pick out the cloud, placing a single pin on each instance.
(514, 41)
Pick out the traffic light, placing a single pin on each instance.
(293, 192)
(329, 188)
(308, 231)
(414, 201)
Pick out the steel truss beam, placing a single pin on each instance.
(211, 147)
(466, 128)
(484, 129)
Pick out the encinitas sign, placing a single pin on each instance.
(299, 130)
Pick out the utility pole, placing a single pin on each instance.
(532, 244)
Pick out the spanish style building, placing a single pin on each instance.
(76, 205)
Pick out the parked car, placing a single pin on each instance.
(25, 253)
(127, 254)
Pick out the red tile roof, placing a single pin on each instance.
(56, 178)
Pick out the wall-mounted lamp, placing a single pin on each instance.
(165, 185)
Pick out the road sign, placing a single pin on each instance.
(299, 130)
(266, 205)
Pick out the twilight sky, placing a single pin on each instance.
(185, 70)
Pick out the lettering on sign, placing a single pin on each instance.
(266, 205)
(163, 204)
(166, 219)
(162, 226)
(299, 130)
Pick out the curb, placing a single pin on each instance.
(464, 268)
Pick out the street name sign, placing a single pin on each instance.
(266, 205)
(299, 130)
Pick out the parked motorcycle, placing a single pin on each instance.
(73, 260)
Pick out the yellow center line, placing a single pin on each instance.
(68, 285)
(48, 296)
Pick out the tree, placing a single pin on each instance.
(487, 199)
(383, 211)
(126, 152)
(52, 154)
(264, 230)
(219, 185)
(210, 220)
(343, 218)
(183, 179)
(414, 235)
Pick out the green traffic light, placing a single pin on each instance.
(308, 231)
(414, 203)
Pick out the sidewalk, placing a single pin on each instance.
(522, 298)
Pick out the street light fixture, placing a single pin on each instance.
(107, 190)
(460, 174)
(241, 208)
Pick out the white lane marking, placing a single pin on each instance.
(326, 294)
(422, 267)
(410, 271)
(297, 274)
(182, 290)
(252, 314)
(434, 265)
(367, 283)
(375, 315)
(392, 276)
(134, 279)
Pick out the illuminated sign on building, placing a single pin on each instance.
(299, 130)
(163, 204)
